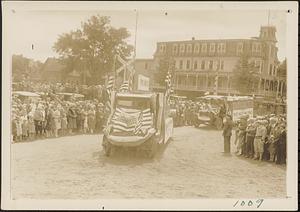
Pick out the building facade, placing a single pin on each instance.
(208, 65)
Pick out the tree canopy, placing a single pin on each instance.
(165, 64)
(91, 48)
(245, 78)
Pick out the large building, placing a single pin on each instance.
(208, 65)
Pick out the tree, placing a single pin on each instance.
(281, 72)
(245, 78)
(165, 64)
(92, 48)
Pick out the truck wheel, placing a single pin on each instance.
(107, 147)
(152, 149)
(219, 123)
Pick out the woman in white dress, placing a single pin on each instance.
(57, 120)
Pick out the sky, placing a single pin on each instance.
(42, 28)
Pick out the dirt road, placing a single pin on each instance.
(192, 166)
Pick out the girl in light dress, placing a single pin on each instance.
(19, 128)
(57, 120)
(85, 121)
(64, 122)
(31, 127)
(24, 127)
(91, 119)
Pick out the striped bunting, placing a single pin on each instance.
(131, 120)
(124, 87)
(110, 82)
(109, 87)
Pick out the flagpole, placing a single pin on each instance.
(136, 23)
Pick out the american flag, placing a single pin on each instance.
(169, 89)
(139, 124)
(131, 120)
(109, 87)
(124, 87)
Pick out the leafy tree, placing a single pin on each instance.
(24, 68)
(92, 48)
(165, 64)
(281, 72)
(245, 78)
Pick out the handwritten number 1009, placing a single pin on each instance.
(249, 203)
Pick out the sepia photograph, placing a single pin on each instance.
(149, 105)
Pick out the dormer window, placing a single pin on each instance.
(189, 48)
(175, 48)
(204, 47)
(182, 48)
(239, 48)
(162, 48)
(196, 48)
(212, 47)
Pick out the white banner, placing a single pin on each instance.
(143, 83)
(236, 114)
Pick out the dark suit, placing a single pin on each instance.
(227, 134)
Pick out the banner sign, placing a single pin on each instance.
(143, 83)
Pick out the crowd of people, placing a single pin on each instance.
(260, 138)
(187, 111)
(50, 117)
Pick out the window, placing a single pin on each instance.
(195, 64)
(212, 47)
(189, 48)
(162, 48)
(146, 65)
(188, 64)
(270, 70)
(180, 64)
(196, 48)
(256, 47)
(211, 63)
(274, 70)
(182, 48)
(175, 48)
(203, 64)
(221, 48)
(222, 65)
(239, 48)
(204, 47)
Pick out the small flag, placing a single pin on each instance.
(169, 89)
(110, 82)
(139, 124)
(124, 87)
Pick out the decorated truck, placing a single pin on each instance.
(139, 121)
(209, 111)
(213, 108)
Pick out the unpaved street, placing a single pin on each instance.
(192, 166)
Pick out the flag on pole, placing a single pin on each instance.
(109, 88)
(169, 89)
(124, 87)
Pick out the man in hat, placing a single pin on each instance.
(227, 132)
(273, 138)
(259, 140)
(242, 135)
(250, 134)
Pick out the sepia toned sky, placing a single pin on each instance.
(41, 28)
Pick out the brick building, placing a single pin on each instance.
(199, 62)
